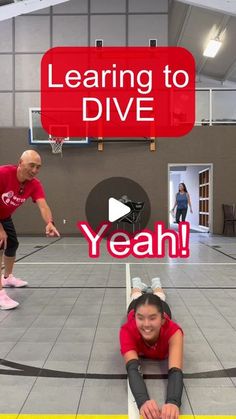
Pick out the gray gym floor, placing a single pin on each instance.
(60, 351)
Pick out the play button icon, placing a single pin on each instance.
(116, 210)
(118, 200)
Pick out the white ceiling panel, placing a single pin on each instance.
(223, 6)
(193, 27)
(13, 9)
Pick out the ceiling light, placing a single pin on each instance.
(212, 48)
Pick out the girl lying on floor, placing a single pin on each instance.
(149, 332)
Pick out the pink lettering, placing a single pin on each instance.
(145, 244)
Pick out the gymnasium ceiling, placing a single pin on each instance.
(12, 8)
(191, 24)
(191, 27)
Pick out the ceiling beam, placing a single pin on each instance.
(221, 6)
(25, 6)
(183, 27)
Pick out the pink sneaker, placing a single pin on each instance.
(6, 303)
(11, 281)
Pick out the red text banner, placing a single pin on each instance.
(118, 91)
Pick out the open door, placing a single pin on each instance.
(198, 179)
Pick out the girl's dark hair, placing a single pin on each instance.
(184, 186)
(149, 299)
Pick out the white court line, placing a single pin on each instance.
(133, 412)
(103, 245)
(122, 263)
(128, 284)
(54, 244)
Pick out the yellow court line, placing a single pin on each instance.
(71, 416)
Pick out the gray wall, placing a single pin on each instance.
(69, 180)
(25, 39)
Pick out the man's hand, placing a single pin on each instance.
(150, 410)
(51, 230)
(3, 238)
(169, 411)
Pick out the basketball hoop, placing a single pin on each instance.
(57, 143)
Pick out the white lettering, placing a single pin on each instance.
(73, 75)
(143, 108)
(99, 113)
(50, 83)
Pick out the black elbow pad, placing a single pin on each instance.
(136, 382)
(175, 386)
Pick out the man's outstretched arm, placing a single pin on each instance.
(46, 214)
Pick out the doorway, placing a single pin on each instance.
(198, 178)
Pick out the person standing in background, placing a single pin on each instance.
(182, 201)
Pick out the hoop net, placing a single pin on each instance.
(57, 143)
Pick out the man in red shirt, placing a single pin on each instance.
(17, 184)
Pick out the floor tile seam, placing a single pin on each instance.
(187, 278)
(83, 244)
(47, 245)
(220, 251)
(61, 244)
(207, 275)
(89, 358)
(227, 292)
(38, 250)
(227, 295)
(222, 244)
(122, 287)
(8, 314)
(234, 384)
(185, 387)
(62, 285)
(222, 315)
(30, 325)
(171, 263)
(189, 400)
(218, 359)
(202, 273)
(33, 384)
(189, 312)
(62, 328)
(38, 376)
(107, 272)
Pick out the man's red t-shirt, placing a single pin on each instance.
(131, 339)
(13, 194)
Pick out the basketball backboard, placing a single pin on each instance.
(37, 134)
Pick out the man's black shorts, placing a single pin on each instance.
(12, 242)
